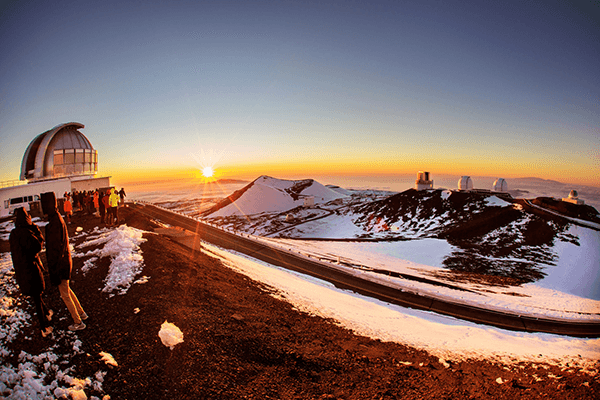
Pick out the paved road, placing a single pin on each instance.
(342, 279)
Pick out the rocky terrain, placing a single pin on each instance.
(241, 342)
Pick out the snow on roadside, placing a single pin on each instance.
(556, 296)
(122, 245)
(441, 336)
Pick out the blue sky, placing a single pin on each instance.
(300, 87)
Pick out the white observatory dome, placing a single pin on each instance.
(465, 183)
(60, 152)
(500, 185)
(573, 194)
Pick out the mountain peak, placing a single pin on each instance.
(268, 194)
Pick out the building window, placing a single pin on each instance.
(58, 157)
(79, 156)
(69, 156)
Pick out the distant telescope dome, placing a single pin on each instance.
(500, 185)
(573, 194)
(61, 152)
(465, 183)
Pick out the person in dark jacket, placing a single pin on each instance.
(102, 205)
(58, 257)
(26, 242)
(122, 196)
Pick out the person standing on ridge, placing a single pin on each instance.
(58, 257)
(113, 201)
(26, 242)
(122, 196)
(108, 220)
(101, 205)
(95, 205)
(68, 207)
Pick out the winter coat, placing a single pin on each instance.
(58, 252)
(105, 201)
(26, 242)
(68, 206)
(101, 201)
(113, 200)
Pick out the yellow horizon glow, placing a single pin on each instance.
(529, 168)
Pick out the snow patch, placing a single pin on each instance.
(495, 201)
(122, 245)
(170, 335)
(108, 359)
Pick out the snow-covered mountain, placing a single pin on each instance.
(267, 194)
(490, 234)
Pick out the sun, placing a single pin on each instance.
(208, 172)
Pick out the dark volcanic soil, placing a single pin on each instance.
(240, 342)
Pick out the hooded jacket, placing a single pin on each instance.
(113, 200)
(26, 242)
(58, 252)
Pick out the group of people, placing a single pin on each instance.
(26, 242)
(105, 202)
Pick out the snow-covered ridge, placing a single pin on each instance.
(267, 194)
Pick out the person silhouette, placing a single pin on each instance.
(58, 257)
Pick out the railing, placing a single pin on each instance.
(14, 182)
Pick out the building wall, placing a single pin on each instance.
(59, 187)
(90, 184)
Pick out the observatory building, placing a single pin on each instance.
(60, 152)
(465, 183)
(500, 185)
(573, 198)
(423, 182)
(59, 160)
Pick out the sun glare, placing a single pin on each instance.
(207, 172)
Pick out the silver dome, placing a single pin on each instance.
(60, 152)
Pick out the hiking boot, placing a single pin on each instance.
(47, 331)
(77, 327)
(83, 316)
